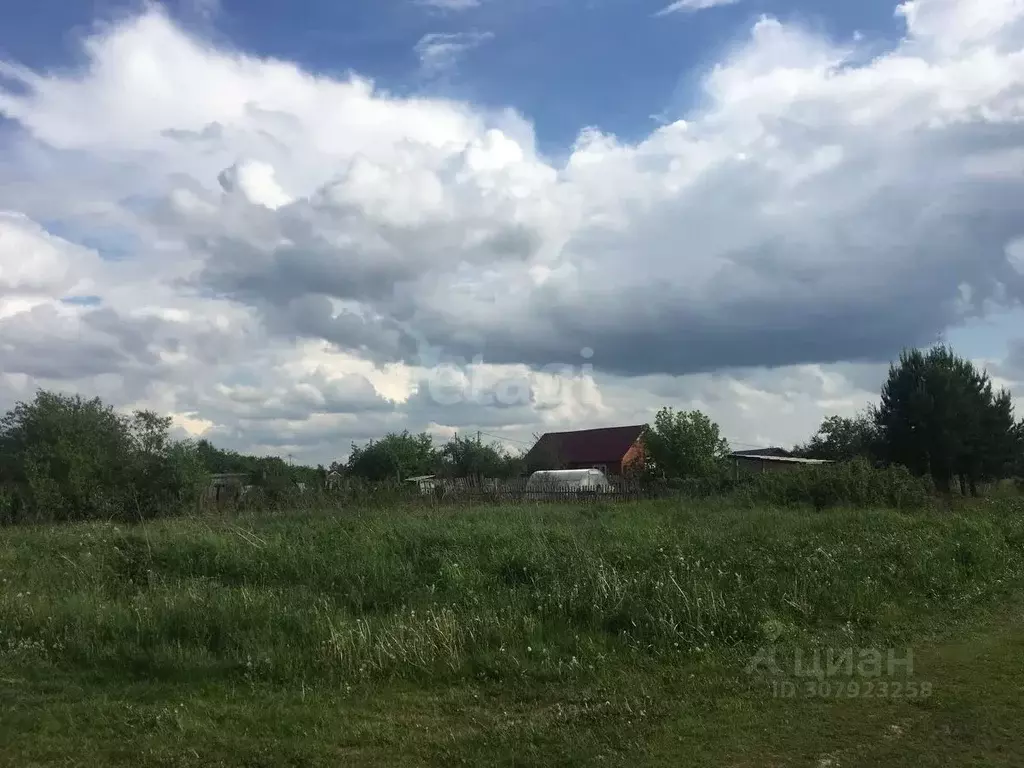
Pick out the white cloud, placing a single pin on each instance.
(1015, 254)
(441, 52)
(692, 6)
(284, 239)
(255, 181)
(36, 265)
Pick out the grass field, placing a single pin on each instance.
(552, 635)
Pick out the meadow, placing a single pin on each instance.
(609, 633)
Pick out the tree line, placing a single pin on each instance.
(400, 455)
(65, 457)
(939, 416)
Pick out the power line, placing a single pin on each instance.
(507, 439)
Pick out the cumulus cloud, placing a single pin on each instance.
(239, 217)
(35, 266)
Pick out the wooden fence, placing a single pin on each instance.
(470, 490)
(347, 492)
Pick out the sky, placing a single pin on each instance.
(295, 226)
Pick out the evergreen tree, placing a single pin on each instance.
(940, 416)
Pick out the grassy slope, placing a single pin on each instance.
(515, 636)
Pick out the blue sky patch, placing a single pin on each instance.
(82, 301)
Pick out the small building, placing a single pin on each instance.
(770, 460)
(616, 451)
(333, 481)
(227, 486)
(425, 483)
(763, 452)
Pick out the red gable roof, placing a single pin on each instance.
(587, 446)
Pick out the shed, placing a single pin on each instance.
(227, 486)
(425, 483)
(748, 462)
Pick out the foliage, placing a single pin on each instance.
(684, 445)
(264, 471)
(395, 456)
(852, 483)
(165, 475)
(940, 416)
(840, 439)
(66, 458)
(464, 457)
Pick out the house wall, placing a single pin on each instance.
(615, 467)
(635, 458)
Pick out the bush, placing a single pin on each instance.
(855, 483)
(65, 458)
(717, 483)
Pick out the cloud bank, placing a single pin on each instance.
(279, 255)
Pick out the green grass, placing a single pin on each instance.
(554, 635)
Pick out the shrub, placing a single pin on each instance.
(65, 458)
(855, 483)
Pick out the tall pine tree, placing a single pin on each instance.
(940, 416)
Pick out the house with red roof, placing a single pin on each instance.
(616, 451)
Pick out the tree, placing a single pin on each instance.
(841, 439)
(217, 460)
(396, 456)
(684, 444)
(66, 458)
(939, 416)
(1017, 462)
(465, 457)
(992, 443)
(164, 474)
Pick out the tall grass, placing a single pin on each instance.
(482, 593)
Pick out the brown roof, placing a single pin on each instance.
(587, 446)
